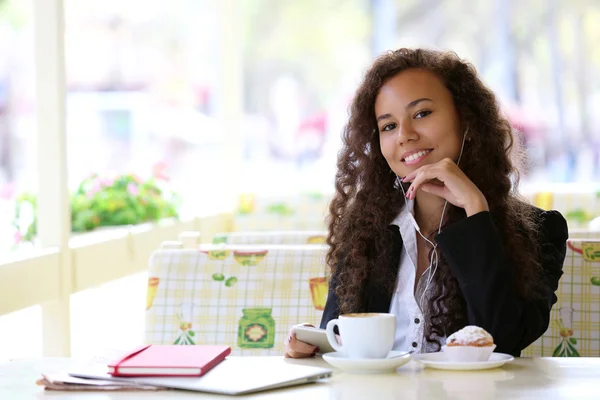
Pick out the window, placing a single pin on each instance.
(18, 150)
(539, 58)
(302, 63)
(142, 92)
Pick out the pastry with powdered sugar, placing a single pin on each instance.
(470, 344)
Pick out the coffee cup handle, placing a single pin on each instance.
(331, 335)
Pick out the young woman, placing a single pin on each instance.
(425, 222)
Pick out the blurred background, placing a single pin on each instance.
(144, 83)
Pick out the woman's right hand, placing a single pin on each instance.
(295, 348)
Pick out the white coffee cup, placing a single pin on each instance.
(363, 335)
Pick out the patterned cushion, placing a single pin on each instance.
(247, 297)
(271, 237)
(300, 212)
(583, 234)
(575, 319)
(578, 207)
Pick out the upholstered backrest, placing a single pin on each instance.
(584, 234)
(579, 204)
(244, 296)
(276, 213)
(575, 319)
(271, 237)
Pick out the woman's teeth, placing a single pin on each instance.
(413, 157)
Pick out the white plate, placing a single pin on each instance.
(439, 361)
(368, 365)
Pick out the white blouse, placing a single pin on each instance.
(405, 301)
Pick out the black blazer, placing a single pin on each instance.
(475, 253)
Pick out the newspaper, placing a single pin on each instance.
(63, 381)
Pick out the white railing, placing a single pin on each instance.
(95, 259)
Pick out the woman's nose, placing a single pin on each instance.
(406, 133)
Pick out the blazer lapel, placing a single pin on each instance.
(376, 299)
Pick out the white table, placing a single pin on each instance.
(539, 378)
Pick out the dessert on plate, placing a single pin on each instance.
(470, 344)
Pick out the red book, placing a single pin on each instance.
(172, 360)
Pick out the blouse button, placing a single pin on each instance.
(414, 344)
(417, 320)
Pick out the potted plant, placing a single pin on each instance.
(100, 202)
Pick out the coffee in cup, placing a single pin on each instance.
(363, 335)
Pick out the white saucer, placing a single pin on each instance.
(368, 365)
(439, 361)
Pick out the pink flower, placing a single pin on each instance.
(95, 189)
(7, 191)
(105, 182)
(160, 171)
(18, 237)
(133, 189)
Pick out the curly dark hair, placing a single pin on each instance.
(366, 199)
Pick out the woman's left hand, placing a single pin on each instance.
(456, 187)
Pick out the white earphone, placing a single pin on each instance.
(435, 259)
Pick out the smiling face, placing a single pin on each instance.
(417, 121)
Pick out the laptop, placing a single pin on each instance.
(233, 376)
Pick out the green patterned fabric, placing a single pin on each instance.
(271, 237)
(577, 207)
(277, 213)
(575, 319)
(247, 297)
(583, 234)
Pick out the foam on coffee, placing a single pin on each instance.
(362, 315)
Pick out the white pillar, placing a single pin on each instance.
(54, 221)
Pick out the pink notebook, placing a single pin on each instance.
(170, 360)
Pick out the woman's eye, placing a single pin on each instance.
(388, 127)
(422, 114)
